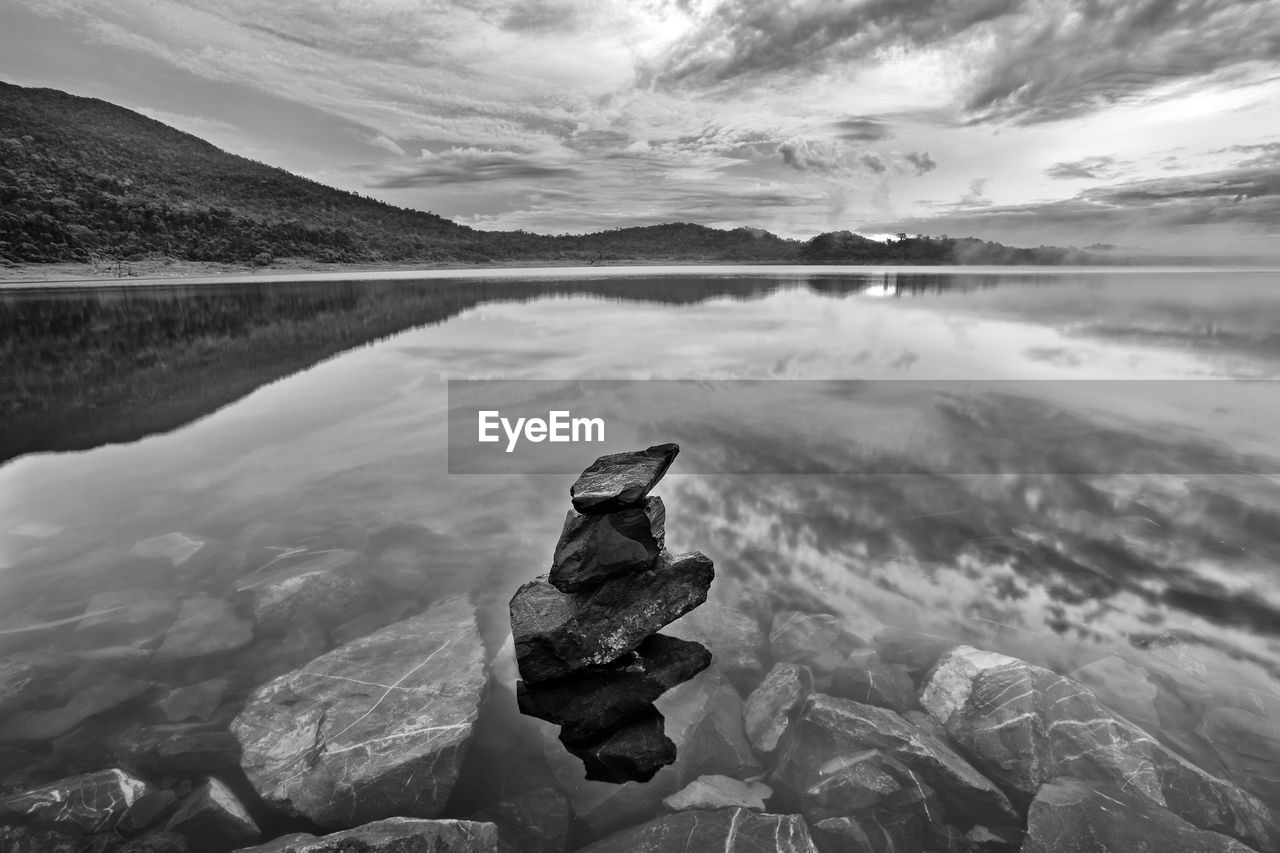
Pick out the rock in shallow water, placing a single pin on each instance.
(328, 588)
(595, 548)
(375, 728)
(734, 638)
(1024, 725)
(111, 691)
(1250, 747)
(205, 626)
(621, 480)
(94, 802)
(393, 835)
(557, 633)
(727, 830)
(590, 703)
(213, 820)
(831, 732)
(1073, 816)
(771, 706)
(816, 640)
(719, 792)
(536, 822)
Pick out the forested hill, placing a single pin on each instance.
(85, 180)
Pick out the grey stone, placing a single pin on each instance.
(719, 792)
(392, 835)
(372, 729)
(1074, 816)
(832, 731)
(558, 633)
(329, 588)
(213, 820)
(127, 616)
(595, 548)
(774, 704)
(205, 626)
(178, 748)
(94, 802)
(621, 480)
(728, 830)
(197, 701)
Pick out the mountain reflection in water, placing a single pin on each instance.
(314, 416)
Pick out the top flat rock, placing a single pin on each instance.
(621, 480)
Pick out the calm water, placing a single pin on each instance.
(1168, 547)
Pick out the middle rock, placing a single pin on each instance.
(595, 548)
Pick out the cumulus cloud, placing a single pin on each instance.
(921, 162)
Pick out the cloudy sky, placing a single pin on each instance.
(1152, 123)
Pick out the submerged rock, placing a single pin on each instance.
(595, 548)
(892, 833)
(393, 835)
(591, 703)
(109, 692)
(621, 480)
(536, 822)
(94, 802)
(1071, 815)
(557, 633)
(177, 549)
(329, 588)
(868, 784)
(212, 820)
(127, 616)
(375, 728)
(719, 792)
(914, 651)
(26, 839)
(820, 642)
(178, 748)
(1249, 746)
(774, 704)
(734, 638)
(1024, 725)
(831, 732)
(728, 830)
(198, 701)
(874, 682)
(205, 626)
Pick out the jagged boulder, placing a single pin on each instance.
(372, 729)
(728, 830)
(1071, 815)
(621, 480)
(1024, 725)
(595, 548)
(93, 802)
(833, 732)
(558, 633)
(212, 820)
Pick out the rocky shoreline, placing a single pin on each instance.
(129, 728)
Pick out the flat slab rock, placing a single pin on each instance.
(329, 587)
(558, 633)
(1024, 725)
(621, 480)
(94, 802)
(204, 626)
(718, 792)
(728, 830)
(372, 729)
(594, 548)
(393, 835)
(1073, 816)
(110, 691)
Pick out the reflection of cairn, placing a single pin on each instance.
(585, 633)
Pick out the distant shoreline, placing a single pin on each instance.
(151, 273)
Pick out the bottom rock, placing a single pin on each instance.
(393, 835)
(728, 830)
(1069, 816)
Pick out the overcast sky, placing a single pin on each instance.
(1152, 123)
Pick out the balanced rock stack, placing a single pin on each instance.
(585, 633)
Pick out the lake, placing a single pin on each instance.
(1071, 467)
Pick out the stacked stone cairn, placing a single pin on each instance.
(585, 634)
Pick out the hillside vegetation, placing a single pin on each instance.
(84, 180)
